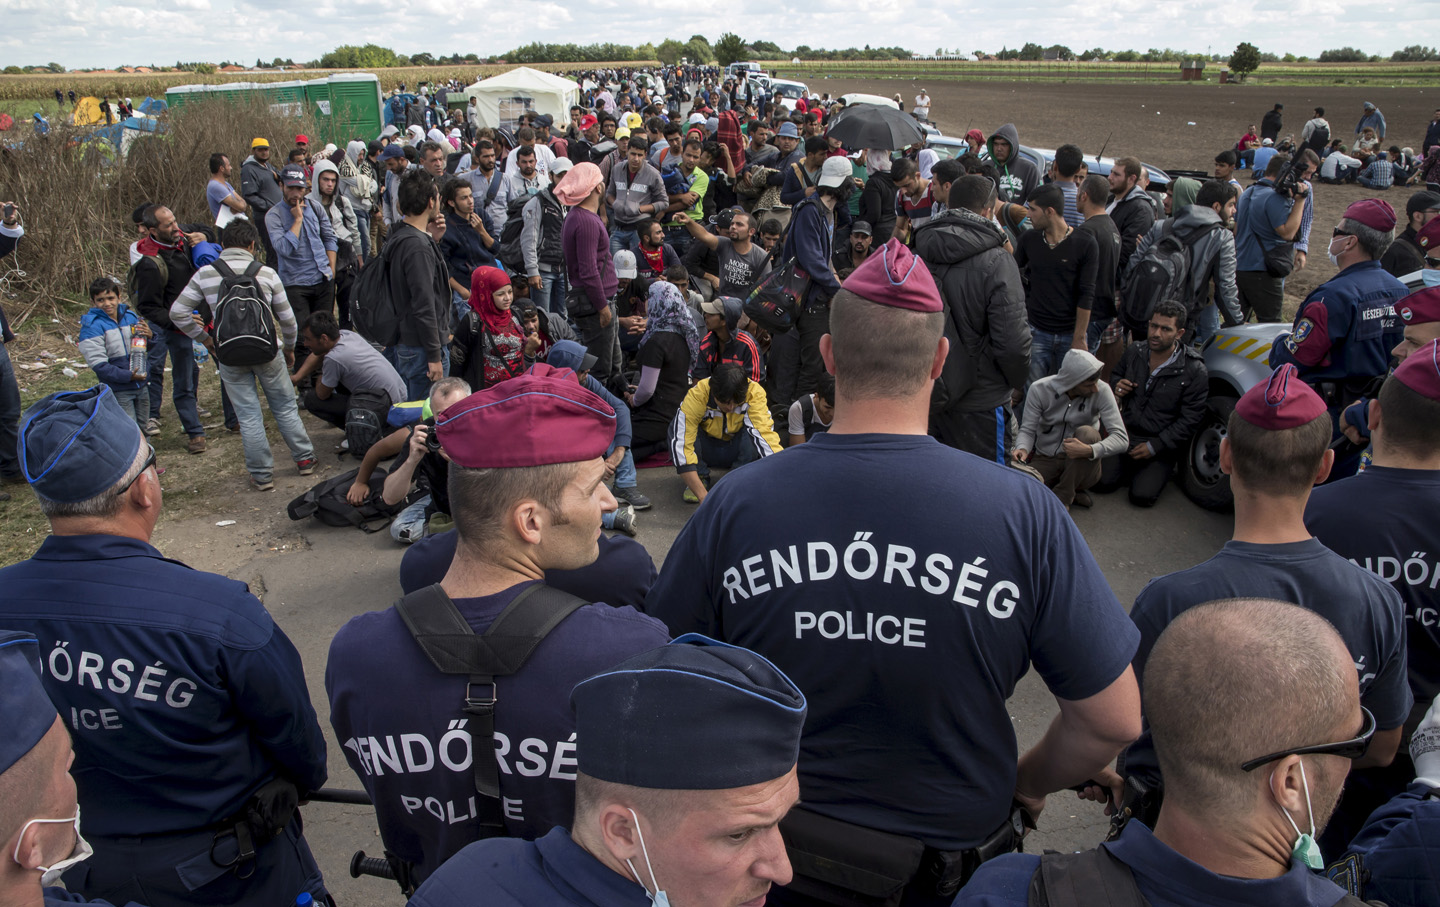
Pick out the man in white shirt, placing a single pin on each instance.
(922, 106)
(1339, 167)
(544, 157)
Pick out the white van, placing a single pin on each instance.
(742, 68)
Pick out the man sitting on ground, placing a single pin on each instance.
(723, 421)
(1162, 386)
(1060, 431)
(724, 341)
(348, 365)
(812, 414)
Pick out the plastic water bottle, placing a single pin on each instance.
(139, 359)
(202, 355)
(303, 899)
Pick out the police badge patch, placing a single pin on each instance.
(1297, 337)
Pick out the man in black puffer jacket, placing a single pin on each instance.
(984, 321)
(1162, 386)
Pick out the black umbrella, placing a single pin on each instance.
(875, 126)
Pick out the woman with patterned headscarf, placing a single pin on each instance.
(669, 349)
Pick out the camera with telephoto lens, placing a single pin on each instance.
(1288, 181)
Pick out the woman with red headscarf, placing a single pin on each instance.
(489, 345)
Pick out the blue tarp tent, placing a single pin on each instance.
(151, 106)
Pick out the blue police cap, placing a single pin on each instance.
(24, 707)
(692, 715)
(76, 444)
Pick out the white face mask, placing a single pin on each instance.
(658, 897)
(1431, 277)
(1305, 849)
(49, 875)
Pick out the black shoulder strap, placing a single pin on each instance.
(453, 647)
(1088, 879)
(251, 270)
(494, 188)
(222, 267)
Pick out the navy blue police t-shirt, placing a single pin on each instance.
(620, 576)
(906, 609)
(404, 731)
(1384, 521)
(1364, 611)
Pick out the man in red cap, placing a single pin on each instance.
(1346, 327)
(1384, 520)
(886, 579)
(521, 508)
(1278, 447)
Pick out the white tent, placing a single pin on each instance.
(503, 98)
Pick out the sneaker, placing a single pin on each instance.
(690, 497)
(306, 466)
(202, 412)
(1083, 499)
(267, 485)
(625, 520)
(152, 428)
(633, 497)
(196, 445)
(342, 446)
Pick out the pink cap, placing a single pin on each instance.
(577, 184)
(1283, 401)
(1372, 212)
(541, 417)
(893, 276)
(1421, 370)
(1420, 307)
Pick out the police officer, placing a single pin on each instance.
(1346, 327)
(907, 612)
(188, 704)
(687, 764)
(417, 736)
(1384, 520)
(1420, 315)
(1254, 711)
(1276, 448)
(39, 818)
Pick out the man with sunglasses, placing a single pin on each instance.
(1256, 719)
(1277, 447)
(187, 704)
(1346, 327)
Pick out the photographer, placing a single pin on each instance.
(10, 233)
(1267, 223)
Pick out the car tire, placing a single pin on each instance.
(1200, 475)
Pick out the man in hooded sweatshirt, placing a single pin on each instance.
(985, 321)
(260, 185)
(1018, 175)
(1060, 432)
(346, 224)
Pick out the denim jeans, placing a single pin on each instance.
(461, 308)
(710, 451)
(551, 295)
(274, 380)
(412, 365)
(136, 404)
(362, 217)
(1047, 351)
(1093, 332)
(409, 524)
(9, 416)
(1207, 324)
(624, 239)
(1370, 184)
(183, 377)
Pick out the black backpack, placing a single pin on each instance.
(326, 503)
(244, 324)
(365, 420)
(374, 312)
(1319, 139)
(1163, 272)
(508, 249)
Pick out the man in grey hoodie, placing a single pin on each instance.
(1018, 175)
(326, 193)
(260, 186)
(1060, 431)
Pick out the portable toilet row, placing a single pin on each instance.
(346, 105)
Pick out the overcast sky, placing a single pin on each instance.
(110, 33)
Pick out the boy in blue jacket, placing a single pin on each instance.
(106, 332)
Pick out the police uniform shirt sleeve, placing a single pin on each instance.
(1397, 849)
(1309, 340)
(1001, 882)
(268, 687)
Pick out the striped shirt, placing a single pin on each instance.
(204, 288)
(919, 211)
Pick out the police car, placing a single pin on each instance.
(1236, 358)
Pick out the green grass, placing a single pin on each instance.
(23, 109)
(1378, 74)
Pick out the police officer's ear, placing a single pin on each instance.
(1327, 462)
(1227, 457)
(616, 825)
(1372, 416)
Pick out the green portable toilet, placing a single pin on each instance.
(317, 101)
(180, 94)
(355, 107)
(286, 98)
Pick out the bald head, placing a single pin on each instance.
(1232, 680)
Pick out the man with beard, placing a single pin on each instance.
(742, 263)
(855, 252)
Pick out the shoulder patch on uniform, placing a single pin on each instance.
(1297, 336)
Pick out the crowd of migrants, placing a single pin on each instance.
(503, 323)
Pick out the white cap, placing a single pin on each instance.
(834, 172)
(625, 263)
(562, 165)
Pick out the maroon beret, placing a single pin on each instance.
(894, 276)
(1429, 236)
(1420, 307)
(1421, 370)
(1280, 402)
(1372, 212)
(541, 417)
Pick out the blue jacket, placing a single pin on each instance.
(1260, 211)
(793, 189)
(180, 693)
(301, 259)
(105, 344)
(809, 241)
(1398, 846)
(1345, 328)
